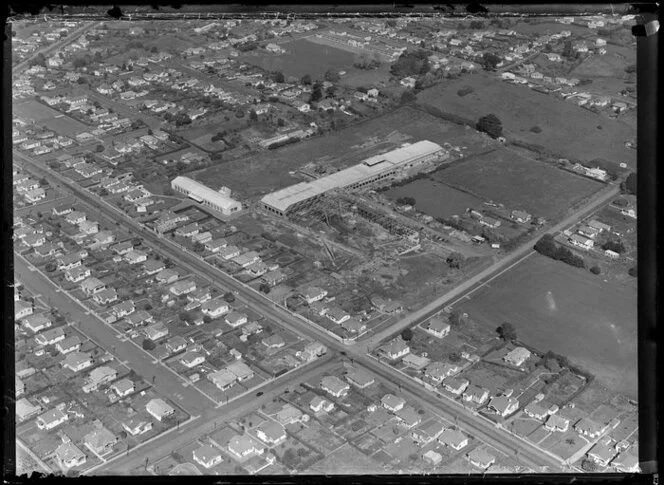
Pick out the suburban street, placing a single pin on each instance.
(466, 419)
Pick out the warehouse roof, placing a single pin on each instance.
(204, 192)
(284, 198)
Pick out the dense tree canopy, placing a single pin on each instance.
(491, 125)
(411, 63)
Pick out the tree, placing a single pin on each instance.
(491, 125)
(198, 247)
(103, 192)
(406, 201)
(264, 288)
(50, 267)
(407, 97)
(252, 115)
(407, 334)
(454, 357)
(489, 61)
(629, 185)
(455, 260)
(148, 344)
(632, 271)
(281, 122)
(99, 148)
(316, 93)
(229, 297)
(207, 318)
(455, 318)
(588, 465)
(411, 63)
(615, 246)
(239, 113)
(278, 77)
(507, 331)
(567, 52)
(306, 79)
(332, 76)
(595, 270)
(330, 91)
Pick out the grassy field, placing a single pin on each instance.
(519, 183)
(567, 129)
(569, 311)
(302, 57)
(346, 460)
(268, 171)
(50, 118)
(435, 198)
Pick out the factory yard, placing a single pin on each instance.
(569, 311)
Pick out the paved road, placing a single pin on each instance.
(211, 420)
(285, 318)
(165, 382)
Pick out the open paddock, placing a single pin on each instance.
(567, 129)
(505, 178)
(569, 311)
(346, 460)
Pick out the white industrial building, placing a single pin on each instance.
(219, 201)
(370, 170)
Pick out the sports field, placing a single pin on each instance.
(567, 129)
(302, 57)
(507, 178)
(568, 310)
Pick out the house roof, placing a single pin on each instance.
(272, 430)
(334, 384)
(452, 437)
(75, 358)
(206, 453)
(588, 425)
(240, 369)
(68, 452)
(360, 376)
(392, 401)
(288, 413)
(437, 324)
(102, 372)
(159, 407)
(242, 444)
(408, 415)
(502, 403)
(70, 342)
(602, 451)
(100, 438)
(455, 382)
(481, 456)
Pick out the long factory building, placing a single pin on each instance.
(203, 194)
(371, 170)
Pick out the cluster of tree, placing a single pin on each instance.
(407, 97)
(595, 270)
(148, 344)
(615, 246)
(278, 77)
(316, 92)
(264, 288)
(536, 129)
(365, 61)
(491, 125)
(406, 200)
(547, 247)
(553, 362)
(407, 334)
(282, 143)
(629, 185)
(332, 76)
(218, 136)
(489, 61)
(455, 260)
(411, 63)
(507, 332)
(456, 318)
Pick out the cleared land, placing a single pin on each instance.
(268, 171)
(570, 311)
(50, 118)
(506, 178)
(302, 57)
(346, 460)
(567, 129)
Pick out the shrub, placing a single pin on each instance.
(148, 344)
(407, 334)
(595, 270)
(632, 271)
(536, 129)
(465, 91)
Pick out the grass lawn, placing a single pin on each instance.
(268, 171)
(346, 460)
(567, 129)
(519, 183)
(568, 310)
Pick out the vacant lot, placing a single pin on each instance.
(268, 171)
(570, 311)
(302, 57)
(567, 129)
(506, 178)
(346, 460)
(50, 118)
(435, 198)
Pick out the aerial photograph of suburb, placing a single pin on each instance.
(323, 245)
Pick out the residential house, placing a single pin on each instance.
(337, 315)
(353, 325)
(247, 259)
(176, 344)
(201, 295)
(99, 376)
(69, 455)
(503, 405)
(103, 238)
(69, 261)
(51, 336)
(228, 252)
(626, 463)
(602, 454)
(167, 276)
(427, 431)
(25, 409)
(77, 361)
(437, 371)
(76, 217)
(535, 411)
(101, 441)
(600, 226)
(243, 446)
(417, 362)
(156, 331)
(152, 266)
(432, 457)
(159, 409)
(240, 370)
(47, 249)
(517, 356)
(188, 230)
(235, 319)
(455, 385)
(581, 241)
(481, 458)
(408, 416)
(289, 414)
(319, 404)
(140, 317)
(334, 386)
(106, 296)
(135, 257)
(313, 293)
(453, 438)
(587, 231)
(223, 379)
(36, 322)
(589, 428)
(437, 327)
(475, 394)
(51, 418)
(22, 309)
(92, 286)
(271, 433)
(274, 341)
(123, 309)
(273, 278)
(191, 359)
(207, 456)
(522, 217)
(123, 247)
(392, 403)
(215, 308)
(136, 426)
(34, 240)
(360, 377)
(183, 287)
(202, 237)
(123, 387)
(395, 349)
(556, 423)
